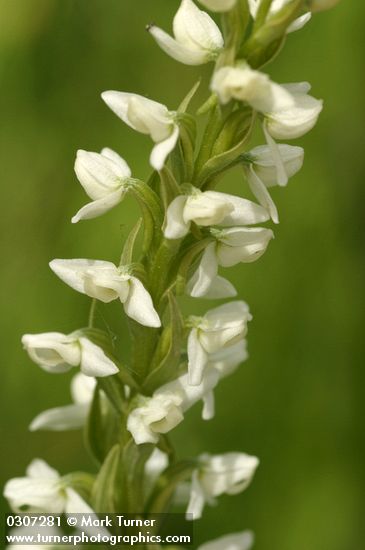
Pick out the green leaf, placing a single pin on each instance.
(134, 458)
(187, 260)
(167, 484)
(113, 388)
(106, 343)
(169, 188)
(187, 99)
(226, 160)
(212, 130)
(82, 482)
(94, 429)
(167, 355)
(107, 483)
(187, 137)
(128, 249)
(234, 130)
(151, 212)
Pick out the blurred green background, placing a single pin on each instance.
(298, 402)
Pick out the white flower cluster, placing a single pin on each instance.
(227, 231)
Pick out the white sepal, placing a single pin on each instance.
(70, 417)
(218, 5)
(53, 351)
(202, 281)
(197, 39)
(234, 541)
(242, 244)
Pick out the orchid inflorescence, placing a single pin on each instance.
(187, 231)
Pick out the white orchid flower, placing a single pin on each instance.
(230, 474)
(70, 417)
(163, 411)
(210, 208)
(321, 5)
(148, 117)
(276, 6)
(106, 282)
(235, 541)
(43, 490)
(261, 172)
(218, 5)
(56, 352)
(288, 110)
(105, 179)
(232, 246)
(197, 38)
(219, 328)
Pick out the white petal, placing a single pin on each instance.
(70, 417)
(220, 288)
(176, 227)
(53, 351)
(162, 149)
(82, 388)
(207, 208)
(282, 176)
(72, 272)
(245, 84)
(156, 464)
(141, 114)
(295, 121)
(207, 271)
(228, 359)
(299, 23)
(100, 206)
(209, 406)
(196, 503)
(218, 5)
(235, 541)
(260, 191)
(196, 29)
(37, 494)
(75, 504)
(298, 87)
(177, 50)
(99, 175)
(139, 305)
(197, 358)
(94, 362)
(39, 468)
(244, 244)
(124, 169)
(244, 212)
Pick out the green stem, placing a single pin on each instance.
(92, 313)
